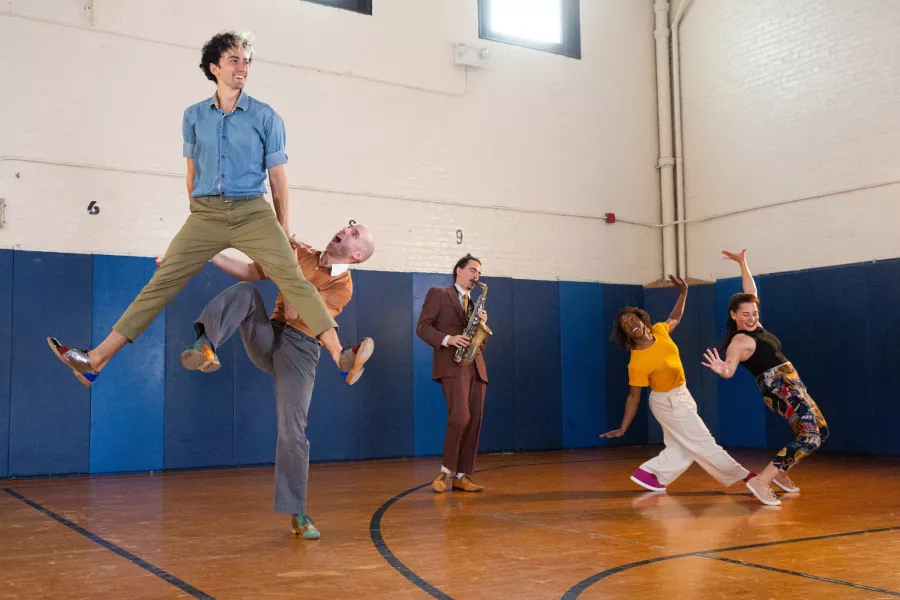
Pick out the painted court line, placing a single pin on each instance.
(798, 574)
(132, 558)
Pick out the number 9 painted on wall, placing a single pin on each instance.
(459, 236)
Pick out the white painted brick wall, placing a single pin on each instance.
(534, 131)
(785, 100)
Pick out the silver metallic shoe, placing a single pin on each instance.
(75, 359)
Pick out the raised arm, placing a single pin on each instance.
(678, 311)
(631, 406)
(747, 281)
(236, 268)
(739, 350)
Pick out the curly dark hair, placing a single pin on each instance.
(618, 334)
(461, 263)
(219, 45)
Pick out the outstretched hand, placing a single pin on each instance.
(679, 282)
(738, 257)
(714, 361)
(615, 433)
(297, 244)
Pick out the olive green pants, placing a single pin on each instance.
(214, 225)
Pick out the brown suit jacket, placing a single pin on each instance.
(442, 315)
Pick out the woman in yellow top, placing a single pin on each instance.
(655, 361)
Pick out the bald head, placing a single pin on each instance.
(366, 244)
(351, 245)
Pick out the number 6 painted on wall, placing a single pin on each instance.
(92, 208)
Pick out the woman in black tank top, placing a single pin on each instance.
(747, 343)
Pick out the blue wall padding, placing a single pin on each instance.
(498, 431)
(334, 417)
(538, 383)
(582, 348)
(782, 297)
(386, 406)
(6, 294)
(615, 298)
(880, 434)
(742, 414)
(50, 410)
(702, 299)
(839, 380)
(556, 379)
(430, 409)
(199, 413)
(255, 427)
(127, 404)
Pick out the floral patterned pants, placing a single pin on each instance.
(786, 395)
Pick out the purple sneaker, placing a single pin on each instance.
(647, 480)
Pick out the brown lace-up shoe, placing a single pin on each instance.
(465, 484)
(441, 483)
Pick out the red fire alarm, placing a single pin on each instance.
(610, 217)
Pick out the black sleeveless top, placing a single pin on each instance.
(767, 354)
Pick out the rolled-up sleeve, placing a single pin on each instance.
(275, 141)
(188, 134)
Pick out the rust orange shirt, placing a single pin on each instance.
(335, 291)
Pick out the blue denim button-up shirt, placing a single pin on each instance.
(232, 152)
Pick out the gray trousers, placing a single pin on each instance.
(289, 355)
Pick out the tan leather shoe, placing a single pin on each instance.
(762, 492)
(441, 483)
(786, 483)
(353, 359)
(465, 484)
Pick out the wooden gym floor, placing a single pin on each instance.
(550, 525)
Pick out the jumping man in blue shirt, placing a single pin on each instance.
(231, 141)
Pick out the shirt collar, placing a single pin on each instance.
(460, 290)
(242, 103)
(335, 269)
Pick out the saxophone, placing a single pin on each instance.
(476, 331)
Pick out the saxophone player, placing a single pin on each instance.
(445, 314)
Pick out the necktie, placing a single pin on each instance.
(466, 304)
